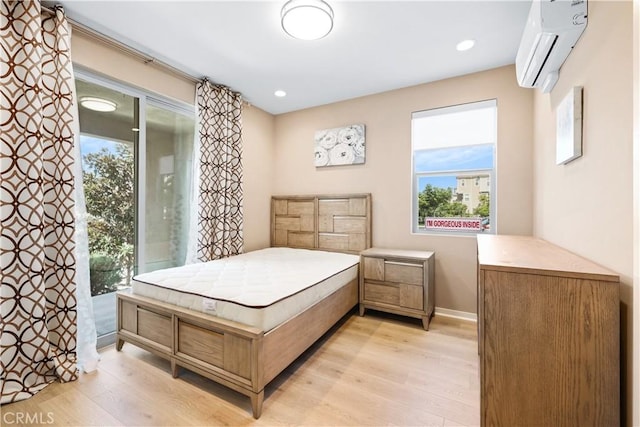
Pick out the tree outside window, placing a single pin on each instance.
(108, 180)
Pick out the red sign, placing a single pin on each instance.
(456, 224)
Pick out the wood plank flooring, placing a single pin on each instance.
(373, 370)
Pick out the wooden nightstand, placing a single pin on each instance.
(398, 281)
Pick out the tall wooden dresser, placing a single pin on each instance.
(548, 336)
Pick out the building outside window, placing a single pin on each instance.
(453, 152)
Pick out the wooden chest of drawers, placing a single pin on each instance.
(549, 336)
(398, 281)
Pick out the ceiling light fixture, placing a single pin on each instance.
(97, 104)
(465, 45)
(306, 19)
(280, 93)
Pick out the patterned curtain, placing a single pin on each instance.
(38, 303)
(219, 222)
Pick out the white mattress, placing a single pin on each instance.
(261, 288)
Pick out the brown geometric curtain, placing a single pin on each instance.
(220, 164)
(38, 305)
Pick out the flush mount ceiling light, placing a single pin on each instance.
(280, 93)
(307, 19)
(97, 104)
(465, 45)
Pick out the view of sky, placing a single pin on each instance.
(92, 144)
(457, 159)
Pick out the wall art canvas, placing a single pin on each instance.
(339, 146)
(569, 127)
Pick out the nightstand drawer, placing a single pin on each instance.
(374, 268)
(382, 292)
(412, 296)
(402, 295)
(402, 272)
(384, 270)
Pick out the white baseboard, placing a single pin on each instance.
(446, 312)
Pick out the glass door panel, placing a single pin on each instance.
(136, 161)
(168, 154)
(108, 138)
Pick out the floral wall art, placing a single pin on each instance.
(339, 146)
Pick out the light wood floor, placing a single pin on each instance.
(372, 370)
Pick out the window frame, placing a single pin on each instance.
(491, 172)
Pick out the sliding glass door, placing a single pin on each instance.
(168, 153)
(136, 158)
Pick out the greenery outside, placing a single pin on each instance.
(105, 274)
(439, 202)
(109, 193)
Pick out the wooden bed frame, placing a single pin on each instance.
(239, 356)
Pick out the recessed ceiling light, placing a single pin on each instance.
(97, 104)
(280, 93)
(465, 45)
(306, 19)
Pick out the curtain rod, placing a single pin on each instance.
(128, 50)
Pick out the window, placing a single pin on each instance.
(453, 152)
(136, 164)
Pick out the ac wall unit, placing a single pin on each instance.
(553, 28)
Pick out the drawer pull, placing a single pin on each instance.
(408, 264)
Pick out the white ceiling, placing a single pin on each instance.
(375, 46)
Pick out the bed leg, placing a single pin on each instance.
(119, 344)
(256, 403)
(174, 368)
